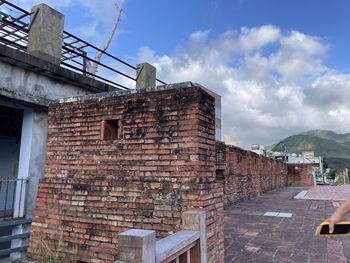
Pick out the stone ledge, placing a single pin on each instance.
(39, 66)
(109, 94)
(172, 244)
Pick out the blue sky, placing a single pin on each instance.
(281, 66)
(163, 24)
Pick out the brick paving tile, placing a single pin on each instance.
(252, 237)
(341, 192)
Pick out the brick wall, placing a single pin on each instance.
(245, 174)
(154, 160)
(300, 175)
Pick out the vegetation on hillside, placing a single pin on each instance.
(335, 148)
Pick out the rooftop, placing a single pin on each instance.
(76, 55)
(277, 228)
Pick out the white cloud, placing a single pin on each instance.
(329, 91)
(299, 56)
(273, 83)
(257, 37)
(266, 95)
(88, 30)
(101, 13)
(28, 4)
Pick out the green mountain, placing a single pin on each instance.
(330, 135)
(335, 148)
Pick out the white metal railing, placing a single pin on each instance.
(12, 197)
(186, 246)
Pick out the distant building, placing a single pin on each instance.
(229, 140)
(316, 161)
(258, 149)
(308, 153)
(307, 157)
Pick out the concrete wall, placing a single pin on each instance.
(25, 85)
(30, 84)
(32, 155)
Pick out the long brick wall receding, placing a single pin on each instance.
(245, 174)
(121, 161)
(118, 161)
(300, 175)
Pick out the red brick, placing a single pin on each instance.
(111, 186)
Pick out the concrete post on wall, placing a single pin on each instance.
(145, 76)
(195, 220)
(137, 246)
(46, 33)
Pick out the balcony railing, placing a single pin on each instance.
(12, 198)
(14, 236)
(186, 246)
(76, 55)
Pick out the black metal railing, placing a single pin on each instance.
(12, 197)
(14, 26)
(7, 235)
(77, 54)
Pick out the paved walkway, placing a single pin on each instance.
(341, 192)
(285, 236)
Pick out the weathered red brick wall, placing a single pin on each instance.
(162, 164)
(300, 175)
(245, 174)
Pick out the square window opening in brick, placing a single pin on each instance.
(110, 130)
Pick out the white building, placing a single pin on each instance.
(304, 158)
(316, 161)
